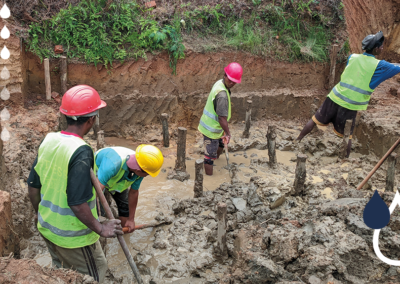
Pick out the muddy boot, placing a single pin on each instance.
(208, 169)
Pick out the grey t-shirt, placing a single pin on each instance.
(221, 104)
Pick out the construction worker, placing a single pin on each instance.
(61, 191)
(119, 169)
(361, 76)
(216, 114)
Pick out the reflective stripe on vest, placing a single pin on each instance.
(60, 232)
(56, 220)
(115, 184)
(353, 91)
(347, 99)
(62, 211)
(209, 123)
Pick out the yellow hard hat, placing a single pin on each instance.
(150, 159)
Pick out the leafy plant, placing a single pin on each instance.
(101, 33)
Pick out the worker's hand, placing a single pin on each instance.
(111, 228)
(226, 139)
(131, 225)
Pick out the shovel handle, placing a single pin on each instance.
(138, 227)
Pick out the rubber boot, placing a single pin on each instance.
(208, 169)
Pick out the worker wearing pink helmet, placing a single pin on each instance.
(216, 114)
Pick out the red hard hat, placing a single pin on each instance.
(234, 72)
(80, 100)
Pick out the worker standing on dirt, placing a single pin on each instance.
(216, 114)
(119, 169)
(62, 194)
(361, 76)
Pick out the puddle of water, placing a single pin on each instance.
(158, 194)
(328, 160)
(328, 193)
(317, 179)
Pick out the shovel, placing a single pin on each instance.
(120, 237)
(226, 153)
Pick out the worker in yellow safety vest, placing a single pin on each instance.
(358, 81)
(121, 170)
(216, 114)
(62, 194)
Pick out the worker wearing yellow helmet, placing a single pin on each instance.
(119, 169)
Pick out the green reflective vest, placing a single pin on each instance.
(56, 221)
(209, 124)
(353, 91)
(115, 183)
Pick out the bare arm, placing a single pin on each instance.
(34, 196)
(224, 124)
(108, 229)
(133, 201)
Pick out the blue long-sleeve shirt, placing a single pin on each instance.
(383, 71)
(109, 163)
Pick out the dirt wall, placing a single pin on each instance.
(137, 92)
(6, 224)
(365, 17)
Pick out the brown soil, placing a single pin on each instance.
(27, 271)
(137, 92)
(365, 17)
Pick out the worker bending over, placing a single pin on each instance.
(216, 114)
(62, 194)
(359, 79)
(119, 169)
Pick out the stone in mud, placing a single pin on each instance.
(267, 271)
(356, 225)
(252, 197)
(259, 162)
(284, 244)
(244, 215)
(239, 203)
(356, 176)
(159, 244)
(181, 176)
(274, 196)
(244, 144)
(314, 280)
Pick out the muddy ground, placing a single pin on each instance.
(273, 235)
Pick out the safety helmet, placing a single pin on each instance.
(372, 41)
(150, 159)
(234, 72)
(81, 100)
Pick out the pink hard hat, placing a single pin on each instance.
(234, 72)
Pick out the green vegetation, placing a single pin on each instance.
(101, 31)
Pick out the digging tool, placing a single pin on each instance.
(111, 217)
(226, 153)
(144, 226)
(378, 164)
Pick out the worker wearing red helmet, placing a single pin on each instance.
(216, 114)
(61, 191)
